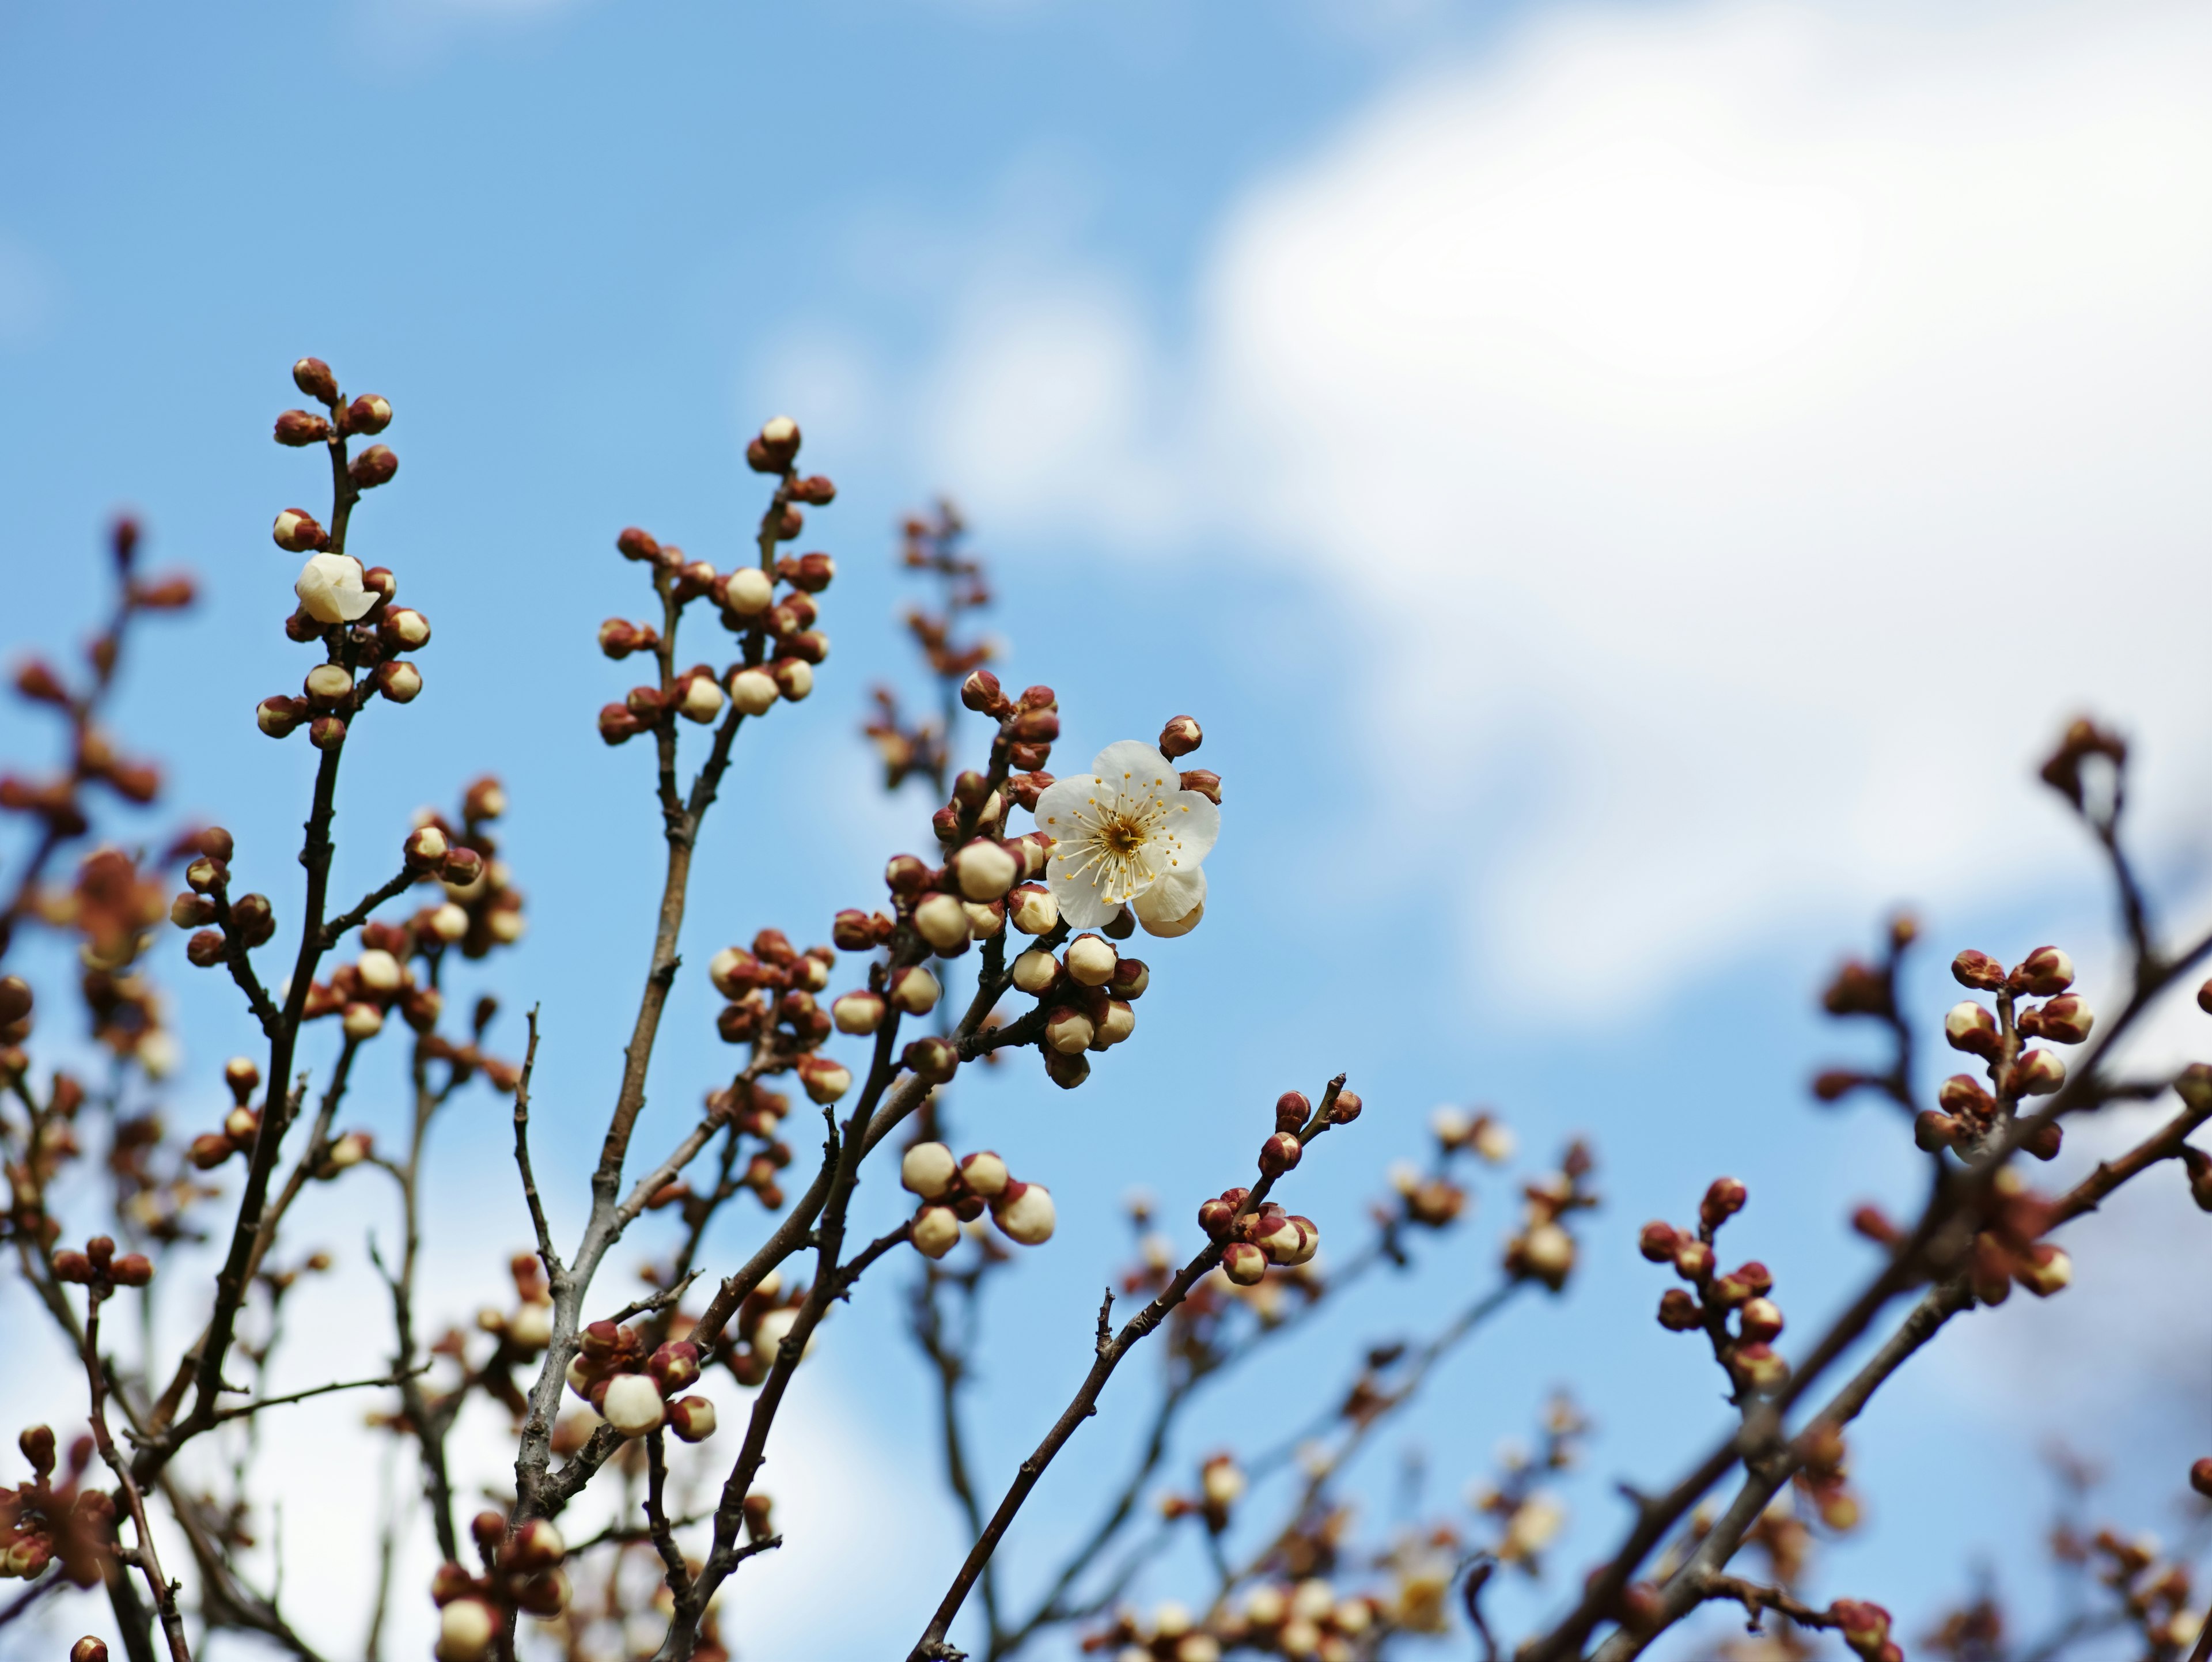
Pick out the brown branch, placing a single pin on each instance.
(381, 1379)
(146, 1556)
(337, 929)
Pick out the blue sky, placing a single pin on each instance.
(1628, 490)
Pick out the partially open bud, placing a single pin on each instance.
(942, 922)
(914, 990)
(1970, 1027)
(1068, 1029)
(984, 870)
(633, 1405)
(753, 691)
(2043, 972)
(1024, 1212)
(984, 1173)
(860, 1012)
(1180, 737)
(1091, 960)
(674, 1367)
(1037, 971)
(2038, 1073)
(1243, 1263)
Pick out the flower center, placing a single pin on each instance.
(1121, 835)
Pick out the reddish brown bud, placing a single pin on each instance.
(370, 413)
(313, 377)
(16, 1000)
(637, 545)
(2043, 1141)
(933, 1060)
(2065, 1019)
(1346, 1108)
(814, 490)
(1693, 1259)
(1180, 736)
(206, 949)
(1979, 970)
(1280, 1153)
(36, 680)
(1292, 1111)
(295, 530)
(373, 467)
(1962, 1094)
(1657, 1241)
(1243, 1263)
(2045, 971)
(1970, 1027)
(298, 427)
(2200, 1477)
(981, 692)
(1874, 1224)
(327, 733)
(775, 447)
(674, 1367)
(1679, 1312)
(1215, 1217)
(1722, 1202)
(89, 1648)
(1836, 1083)
(1028, 787)
(1205, 782)
(1858, 989)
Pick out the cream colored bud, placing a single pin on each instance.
(633, 1406)
(1451, 1126)
(984, 1173)
(985, 870)
(1036, 970)
(691, 1418)
(329, 588)
(449, 922)
(1170, 1619)
(466, 1629)
(329, 682)
(984, 918)
(936, 1231)
(241, 1124)
(1223, 1483)
(1069, 1032)
(1031, 909)
(362, 1021)
(380, 971)
(1313, 1600)
(702, 699)
(1265, 1607)
(1121, 1021)
(579, 1380)
(530, 1329)
(942, 922)
(928, 1169)
(1198, 1647)
(1091, 960)
(858, 1012)
(349, 1150)
(748, 590)
(505, 924)
(1492, 1140)
(914, 990)
(779, 430)
(753, 691)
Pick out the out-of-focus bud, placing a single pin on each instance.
(192, 911)
(772, 450)
(1962, 1093)
(753, 691)
(985, 871)
(2043, 972)
(426, 848)
(1024, 1212)
(1760, 1319)
(297, 426)
(380, 971)
(984, 1173)
(1280, 1153)
(858, 1012)
(2200, 1476)
(253, 919)
(398, 680)
(933, 1060)
(296, 531)
(940, 921)
(1180, 737)
(205, 949)
(1346, 1108)
(1036, 972)
(1761, 1367)
(617, 725)
(1723, 1201)
(633, 1405)
(1243, 1263)
(1068, 1029)
(1693, 1259)
(1657, 1241)
(1091, 960)
(692, 1419)
(1979, 970)
(90, 1648)
(1679, 1312)
(313, 377)
(373, 467)
(362, 1021)
(2065, 1019)
(1876, 1225)
(2038, 1073)
(823, 1079)
(535, 1545)
(370, 413)
(209, 1150)
(1933, 1131)
(1858, 989)
(463, 866)
(2044, 1268)
(466, 1629)
(2194, 1086)
(914, 990)
(634, 544)
(1970, 1027)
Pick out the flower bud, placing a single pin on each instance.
(326, 733)
(1118, 1023)
(914, 990)
(466, 1629)
(1278, 1236)
(692, 1419)
(329, 684)
(374, 467)
(369, 413)
(191, 911)
(1970, 1027)
(1759, 1319)
(753, 691)
(1067, 1069)
(2200, 1477)
(1067, 1030)
(793, 678)
(1179, 737)
(984, 1173)
(1036, 972)
(2038, 1073)
(1216, 1217)
(940, 921)
(1346, 1108)
(858, 1012)
(1243, 1263)
(296, 427)
(927, 1169)
(985, 870)
(1761, 1367)
(1962, 1093)
(633, 1406)
(2044, 1268)
(906, 873)
(2045, 971)
(1979, 970)
(1205, 782)
(1723, 1201)
(2065, 1019)
(981, 692)
(1280, 1153)
(313, 377)
(1024, 1212)
(1091, 960)
(701, 700)
(378, 970)
(535, 1545)
(1933, 1131)
(674, 1367)
(1693, 1259)
(933, 1060)
(209, 1150)
(362, 1021)
(1679, 1312)
(296, 531)
(824, 1080)
(1657, 1241)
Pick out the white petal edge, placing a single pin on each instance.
(1170, 907)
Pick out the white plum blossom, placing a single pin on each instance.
(1128, 834)
(329, 589)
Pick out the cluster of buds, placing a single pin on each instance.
(42, 1520)
(954, 1192)
(2009, 1246)
(1527, 1517)
(764, 1322)
(242, 1125)
(1541, 1250)
(1823, 1475)
(1306, 1621)
(352, 611)
(522, 1573)
(780, 644)
(1968, 1113)
(100, 1267)
(754, 1111)
(1748, 1351)
(636, 1393)
(932, 545)
(1086, 1001)
(772, 1007)
(1221, 1485)
(55, 801)
(483, 908)
(2153, 1591)
(527, 1329)
(52, 1144)
(1428, 1197)
(112, 905)
(205, 906)
(1254, 1241)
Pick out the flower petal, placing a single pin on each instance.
(1083, 903)
(1170, 906)
(1056, 807)
(1194, 822)
(1133, 767)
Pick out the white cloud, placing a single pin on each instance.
(1782, 414)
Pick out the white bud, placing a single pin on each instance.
(329, 588)
(779, 430)
(936, 1231)
(914, 990)
(984, 919)
(753, 691)
(748, 590)
(1091, 960)
(1025, 1211)
(941, 921)
(505, 925)
(531, 1327)
(1036, 970)
(1121, 1021)
(984, 1173)
(858, 1012)
(633, 1406)
(984, 870)
(380, 971)
(928, 1169)
(449, 922)
(702, 699)
(1223, 1483)
(362, 1021)
(1068, 1031)
(1451, 1126)
(691, 1418)
(466, 1629)
(329, 682)
(1031, 909)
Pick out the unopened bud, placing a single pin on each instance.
(1962, 1093)
(2038, 1073)
(1243, 1263)
(1280, 1153)
(985, 870)
(373, 467)
(362, 1021)
(466, 1629)
(1068, 1029)
(1346, 1108)
(1759, 1319)
(1933, 1131)
(633, 1405)
(1036, 972)
(2065, 1019)
(298, 427)
(692, 1419)
(1979, 970)
(1970, 1027)
(2044, 1268)
(933, 1060)
(753, 691)
(1024, 1212)
(858, 1012)
(1091, 960)
(793, 678)
(369, 413)
(824, 1080)
(1180, 737)
(1723, 1201)
(984, 1173)
(940, 921)
(535, 1545)
(326, 733)
(313, 377)
(701, 700)
(2045, 971)
(1657, 1241)
(1761, 1367)
(1679, 1312)
(1116, 1024)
